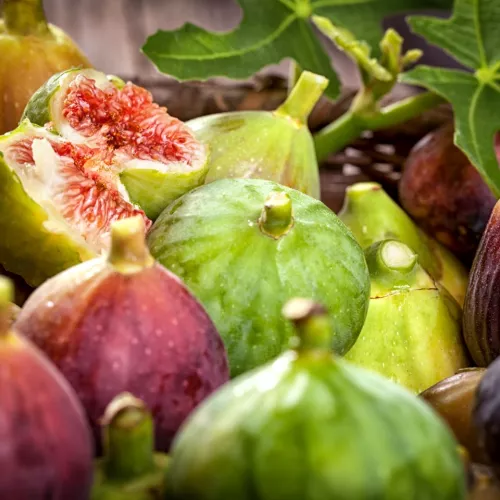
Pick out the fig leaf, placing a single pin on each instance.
(273, 30)
(472, 37)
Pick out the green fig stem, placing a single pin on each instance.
(129, 253)
(303, 97)
(128, 435)
(276, 218)
(294, 73)
(393, 255)
(25, 17)
(6, 298)
(312, 324)
(351, 125)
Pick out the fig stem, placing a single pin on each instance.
(303, 97)
(311, 322)
(343, 131)
(129, 253)
(25, 17)
(6, 298)
(128, 434)
(276, 218)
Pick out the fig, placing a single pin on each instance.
(481, 320)
(130, 469)
(272, 145)
(412, 333)
(46, 451)
(31, 51)
(445, 194)
(486, 414)
(245, 246)
(309, 426)
(373, 216)
(125, 324)
(127, 138)
(454, 399)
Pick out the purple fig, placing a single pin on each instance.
(46, 445)
(481, 319)
(126, 324)
(444, 193)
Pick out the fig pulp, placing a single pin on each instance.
(127, 138)
(127, 324)
(245, 246)
(31, 51)
(445, 194)
(412, 333)
(276, 146)
(373, 216)
(481, 321)
(46, 446)
(308, 426)
(129, 470)
(114, 152)
(454, 399)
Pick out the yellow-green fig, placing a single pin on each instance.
(373, 216)
(31, 51)
(272, 145)
(412, 333)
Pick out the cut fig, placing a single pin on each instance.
(57, 203)
(153, 154)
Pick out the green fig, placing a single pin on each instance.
(412, 333)
(373, 216)
(309, 426)
(31, 51)
(129, 469)
(276, 146)
(246, 246)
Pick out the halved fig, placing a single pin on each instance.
(153, 154)
(57, 203)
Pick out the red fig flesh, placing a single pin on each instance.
(45, 442)
(444, 193)
(127, 324)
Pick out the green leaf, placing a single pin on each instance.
(472, 36)
(272, 30)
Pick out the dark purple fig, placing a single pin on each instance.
(481, 319)
(487, 414)
(454, 398)
(126, 324)
(45, 442)
(444, 193)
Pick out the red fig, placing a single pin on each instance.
(45, 442)
(126, 324)
(444, 193)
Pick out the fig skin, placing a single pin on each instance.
(31, 51)
(487, 414)
(481, 319)
(454, 399)
(445, 194)
(126, 324)
(46, 441)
